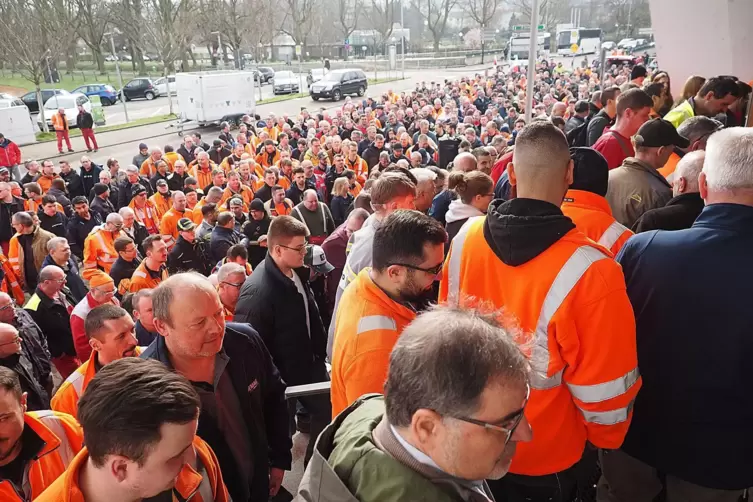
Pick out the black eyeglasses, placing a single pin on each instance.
(9, 306)
(233, 284)
(508, 431)
(432, 271)
(300, 249)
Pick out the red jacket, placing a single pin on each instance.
(500, 166)
(10, 154)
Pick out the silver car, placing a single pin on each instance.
(285, 82)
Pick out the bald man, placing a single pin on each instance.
(686, 204)
(465, 162)
(528, 258)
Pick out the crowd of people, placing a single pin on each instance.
(469, 300)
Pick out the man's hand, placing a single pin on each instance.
(275, 480)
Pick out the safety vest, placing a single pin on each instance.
(201, 482)
(359, 167)
(161, 204)
(10, 282)
(146, 215)
(142, 278)
(66, 398)
(203, 178)
(245, 193)
(571, 301)
(592, 216)
(62, 438)
(168, 226)
(99, 251)
(670, 166)
(680, 113)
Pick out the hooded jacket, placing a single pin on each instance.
(527, 257)
(591, 214)
(10, 154)
(457, 215)
(371, 155)
(357, 458)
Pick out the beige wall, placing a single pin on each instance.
(703, 37)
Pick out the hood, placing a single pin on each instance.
(460, 211)
(521, 229)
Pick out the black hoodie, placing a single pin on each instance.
(519, 230)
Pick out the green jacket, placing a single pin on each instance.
(350, 464)
(681, 113)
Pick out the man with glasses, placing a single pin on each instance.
(440, 429)
(277, 301)
(50, 307)
(60, 254)
(230, 278)
(13, 355)
(102, 292)
(381, 301)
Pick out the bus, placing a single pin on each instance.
(587, 39)
(520, 44)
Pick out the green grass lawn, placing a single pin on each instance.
(50, 136)
(70, 81)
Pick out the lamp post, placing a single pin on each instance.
(402, 37)
(532, 59)
(120, 77)
(219, 46)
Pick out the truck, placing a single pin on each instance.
(520, 44)
(211, 97)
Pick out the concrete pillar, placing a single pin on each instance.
(703, 37)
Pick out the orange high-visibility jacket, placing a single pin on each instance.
(66, 398)
(33, 206)
(162, 205)
(10, 282)
(571, 299)
(142, 278)
(201, 482)
(148, 168)
(367, 326)
(360, 167)
(146, 215)
(168, 226)
(244, 193)
(592, 216)
(99, 251)
(670, 166)
(58, 122)
(265, 160)
(45, 182)
(62, 439)
(203, 178)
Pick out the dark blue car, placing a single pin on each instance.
(107, 93)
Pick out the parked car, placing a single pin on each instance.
(608, 46)
(315, 75)
(110, 58)
(10, 101)
(30, 98)
(161, 85)
(265, 74)
(337, 83)
(69, 103)
(140, 88)
(285, 82)
(107, 93)
(622, 44)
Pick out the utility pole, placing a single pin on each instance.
(219, 48)
(534, 44)
(402, 36)
(120, 77)
(482, 43)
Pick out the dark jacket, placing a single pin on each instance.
(37, 398)
(187, 156)
(84, 120)
(187, 256)
(339, 206)
(261, 395)
(220, 241)
(329, 180)
(252, 230)
(56, 224)
(62, 199)
(102, 207)
(695, 367)
(137, 234)
(54, 321)
(295, 194)
(157, 176)
(441, 204)
(371, 155)
(177, 182)
(74, 282)
(596, 126)
(7, 210)
(217, 156)
(678, 214)
(270, 302)
(125, 193)
(113, 198)
(33, 366)
(73, 184)
(123, 270)
(89, 178)
(144, 337)
(78, 230)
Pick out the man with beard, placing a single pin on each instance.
(35, 448)
(408, 254)
(110, 331)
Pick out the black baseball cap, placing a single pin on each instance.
(659, 132)
(590, 171)
(186, 225)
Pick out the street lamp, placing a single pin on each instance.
(219, 46)
(120, 77)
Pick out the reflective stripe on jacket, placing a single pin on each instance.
(201, 482)
(99, 251)
(571, 298)
(367, 325)
(592, 216)
(62, 439)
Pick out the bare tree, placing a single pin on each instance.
(94, 16)
(128, 16)
(382, 18)
(550, 11)
(483, 12)
(435, 14)
(33, 34)
(348, 11)
(297, 20)
(236, 16)
(169, 28)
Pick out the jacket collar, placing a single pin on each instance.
(587, 200)
(50, 440)
(735, 217)
(276, 273)
(376, 295)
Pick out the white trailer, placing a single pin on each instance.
(215, 96)
(16, 125)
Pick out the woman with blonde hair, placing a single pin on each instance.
(341, 200)
(475, 190)
(692, 85)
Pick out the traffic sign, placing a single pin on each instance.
(297, 50)
(574, 48)
(524, 27)
(347, 41)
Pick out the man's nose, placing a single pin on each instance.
(523, 433)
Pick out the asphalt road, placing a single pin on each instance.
(123, 144)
